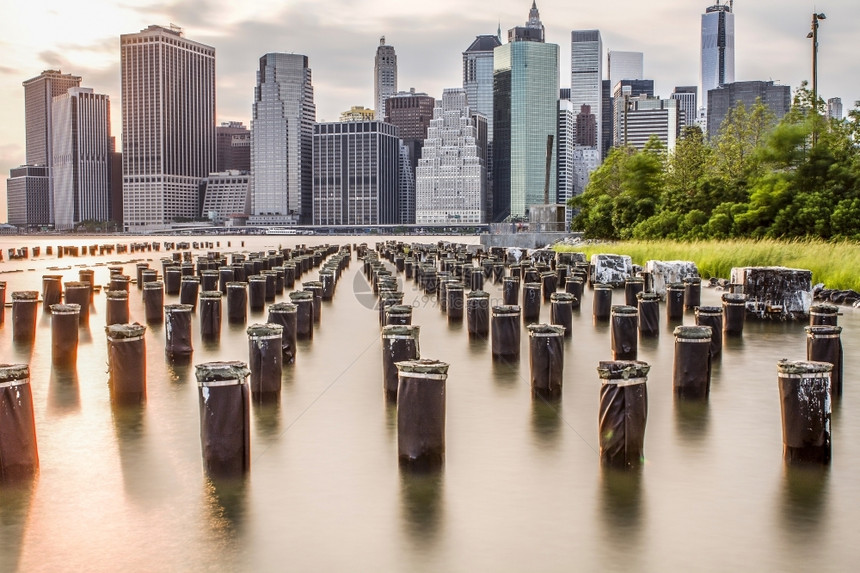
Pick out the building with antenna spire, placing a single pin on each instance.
(718, 48)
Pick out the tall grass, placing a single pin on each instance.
(837, 265)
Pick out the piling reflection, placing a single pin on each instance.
(64, 395)
(621, 497)
(506, 372)
(804, 500)
(692, 419)
(267, 415)
(15, 502)
(421, 503)
(546, 420)
(226, 502)
(129, 425)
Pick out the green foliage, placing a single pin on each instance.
(757, 178)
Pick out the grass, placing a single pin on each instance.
(837, 265)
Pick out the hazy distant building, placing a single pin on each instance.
(586, 75)
(282, 128)
(411, 112)
(358, 113)
(451, 179)
(81, 165)
(687, 97)
(525, 116)
(233, 147)
(632, 88)
(478, 77)
(718, 48)
(355, 173)
(29, 203)
(226, 195)
(384, 76)
(834, 108)
(725, 98)
(645, 117)
(39, 93)
(624, 66)
(168, 125)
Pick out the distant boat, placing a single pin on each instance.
(277, 231)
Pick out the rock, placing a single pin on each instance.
(776, 291)
(611, 269)
(666, 272)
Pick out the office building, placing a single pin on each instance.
(718, 48)
(233, 147)
(411, 112)
(226, 195)
(282, 128)
(565, 142)
(643, 118)
(687, 97)
(451, 179)
(607, 113)
(29, 203)
(726, 97)
(384, 76)
(834, 108)
(586, 75)
(478, 77)
(624, 66)
(39, 94)
(81, 164)
(355, 173)
(525, 120)
(168, 126)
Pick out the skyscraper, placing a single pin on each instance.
(39, 94)
(411, 112)
(525, 117)
(282, 130)
(82, 150)
(355, 173)
(687, 97)
(168, 125)
(451, 179)
(586, 75)
(29, 202)
(718, 48)
(834, 108)
(624, 66)
(384, 76)
(645, 117)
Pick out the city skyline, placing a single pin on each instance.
(340, 38)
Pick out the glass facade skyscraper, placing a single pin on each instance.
(586, 75)
(282, 130)
(718, 48)
(525, 102)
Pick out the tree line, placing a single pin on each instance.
(758, 178)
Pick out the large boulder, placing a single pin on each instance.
(611, 269)
(666, 272)
(777, 292)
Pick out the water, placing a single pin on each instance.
(521, 490)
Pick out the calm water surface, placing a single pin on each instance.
(521, 490)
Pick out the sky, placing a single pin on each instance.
(340, 39)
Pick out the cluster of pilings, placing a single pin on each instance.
(444, 272)
(183, 291)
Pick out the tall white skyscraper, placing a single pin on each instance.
(384, 76)
(718, 48)
(624, 66)
(168, 125)
(282, 131)
(81, 157)
(451, 179)
(687, 103)
(586, 74)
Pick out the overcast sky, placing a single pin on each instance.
(340, 38)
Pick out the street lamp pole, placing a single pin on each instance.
(814, 35)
